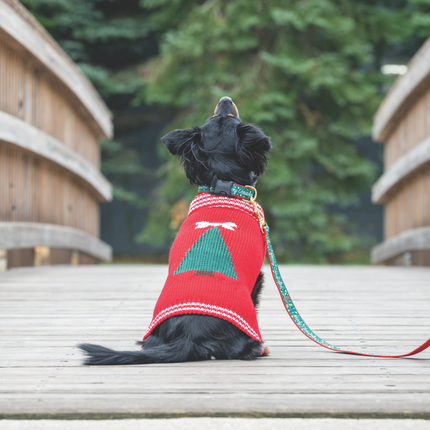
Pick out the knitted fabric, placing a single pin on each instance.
(214, 263)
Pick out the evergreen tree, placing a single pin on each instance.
(307, 73)
(208, 254)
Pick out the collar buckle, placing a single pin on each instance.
(222, 188)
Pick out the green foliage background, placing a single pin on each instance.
(306, 71)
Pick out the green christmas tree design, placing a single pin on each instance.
(209, 254)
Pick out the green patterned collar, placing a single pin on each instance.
(225, 188)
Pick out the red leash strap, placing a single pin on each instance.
(298, 320)
(250, 194)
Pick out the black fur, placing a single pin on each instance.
(223, 148)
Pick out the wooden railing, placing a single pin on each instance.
(50, 121)
(403, 123)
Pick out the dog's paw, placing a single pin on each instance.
(266, 351)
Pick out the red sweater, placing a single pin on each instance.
(214, 263)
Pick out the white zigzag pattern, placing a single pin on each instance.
(203, 307)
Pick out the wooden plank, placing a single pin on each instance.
(15, 235)
(183, 387)
(295, 404)
(417, 158)
(19, 25)
(402, 94)
(17, 132)
(126, 373)
(410, 240)
(45, 312)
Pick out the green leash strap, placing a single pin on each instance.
(298, 320)
(250, 193)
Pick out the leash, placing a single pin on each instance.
(250, 193)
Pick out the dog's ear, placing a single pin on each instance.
(179, 142)
(253, 148)
(186, 144)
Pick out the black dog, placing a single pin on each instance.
(223, 149)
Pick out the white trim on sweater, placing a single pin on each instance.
(203, 308)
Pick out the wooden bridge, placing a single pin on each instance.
(50, 184)
(51, 118)
(46, 311)
(402, 122)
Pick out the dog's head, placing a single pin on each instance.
(223, 148)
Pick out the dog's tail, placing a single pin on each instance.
(97, 355)
(182, 338)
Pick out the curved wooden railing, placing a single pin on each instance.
(50, 121)
(403, 122)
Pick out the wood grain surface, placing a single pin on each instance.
(45, 312)
(27, 137)
(26, 34)
(403, 123)
(403, 93)
(15, 235)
